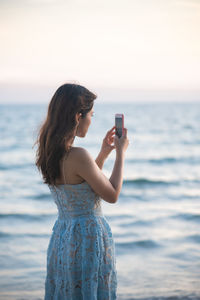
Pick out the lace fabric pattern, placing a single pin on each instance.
(81, 261)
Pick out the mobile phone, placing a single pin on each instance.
(119, 124)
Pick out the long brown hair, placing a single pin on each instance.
(59, 127)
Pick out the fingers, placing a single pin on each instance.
(110, 132)
(116, 137)
(125, 132)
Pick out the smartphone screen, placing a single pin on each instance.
(119, 123)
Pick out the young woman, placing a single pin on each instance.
(81, 260)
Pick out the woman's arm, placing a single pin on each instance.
(116, 177)
(85, 166)
(100, 160)
(106, 148)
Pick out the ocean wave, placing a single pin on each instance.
(146, 181)
(136, 223)
(28, 217)
(141, 244)
(175, 297)
(119, 217)
(4, 167)
(23, 235)
(43, 196)
(194, 238)
(4, 234)
(166, 160)
(187, 217)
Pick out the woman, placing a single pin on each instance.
(81, 260)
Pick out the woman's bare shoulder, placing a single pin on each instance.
(79, 153)
(81, 159)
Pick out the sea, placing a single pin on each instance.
(155, 222)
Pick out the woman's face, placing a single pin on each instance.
(84, 124)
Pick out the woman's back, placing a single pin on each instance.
(68, 174)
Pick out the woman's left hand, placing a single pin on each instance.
(107, 145)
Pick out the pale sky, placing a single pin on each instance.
(137, 49)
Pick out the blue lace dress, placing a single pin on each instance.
(81, 260)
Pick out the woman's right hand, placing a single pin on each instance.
(121, 144)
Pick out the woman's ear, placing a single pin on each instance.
(78, 115)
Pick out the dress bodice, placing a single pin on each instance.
(74, 200)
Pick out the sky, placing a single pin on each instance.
(123, 50)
